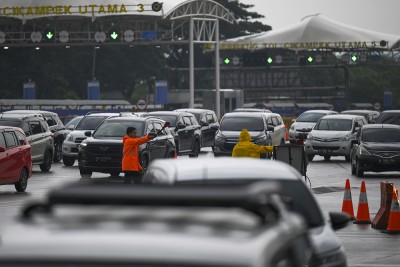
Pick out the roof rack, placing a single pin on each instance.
(254, 198)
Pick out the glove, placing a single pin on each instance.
(152, 135)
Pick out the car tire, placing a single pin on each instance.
(85, 174)
(22, 183)
(196, 150)
(347, 158)
(68, 161)
(144, 162)
(327, 157)
(310, 157)
(57, 152)
(115, 173)
(359, 172)
(353, 168)
(48, 159)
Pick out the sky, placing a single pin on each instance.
(382, 15)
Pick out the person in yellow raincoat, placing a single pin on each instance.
(245, 148)
(130, 155)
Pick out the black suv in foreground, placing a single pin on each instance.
(102, 151)
(184, 128)
(56, 127)
(38, 134)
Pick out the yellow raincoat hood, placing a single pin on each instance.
(245, 148)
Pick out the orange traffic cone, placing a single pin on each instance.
(363, 210)
(347, 205)
(287, 132)
(394, 217)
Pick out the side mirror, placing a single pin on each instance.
(293, 121)
(88, 133)
(71, 127)
(339, 220)
(181, 125)
(2, 149)
(270, 128)
(27, 134)
(21, 142)
(203, 123)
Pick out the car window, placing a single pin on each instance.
(239, 123)
(389, 118)
(90, 122)
(44, 125)
(193, 120)
(117, 129)
(210, 118)
(50, 120)
(25, 127)
(170, 118)
(186, 121)
(20, 136)
(10, 123)
(269, 121)
(280, 121)
(380, 135)
(35, 127)
(150, 128)
(334, 125)
(275, 121)
(310, 117)
(11, 139)
(158, 126)
(2, 140)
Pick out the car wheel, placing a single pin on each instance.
(57, 152)
(144, 161)
(359, 172)
(282, 142)
(68, 161)
(22, 183)
(46, 165)
(310, 157)
(85, 174)
(196, 150)
(115, 173)
(347, 158)
(353, 168)
(213, 148)
(327, 157)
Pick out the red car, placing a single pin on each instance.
(15, 158)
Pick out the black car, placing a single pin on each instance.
(185, 129)
(370, 115)
(376, 149)
(389, 117)
(102, 151)
(209, 124)
(56, 127)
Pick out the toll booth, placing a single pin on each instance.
(230, 99)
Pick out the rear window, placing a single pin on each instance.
(381, 135)
(9, 123)
(118, 128)
(90, 122)
(389, 118)
(334, 125)
(310, 117)
(254, 124)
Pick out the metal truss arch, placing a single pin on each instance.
(201, 8)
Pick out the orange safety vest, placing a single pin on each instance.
(130, 153)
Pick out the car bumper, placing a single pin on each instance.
(378, 164)
(70, 149)
(327, 148)
(297, 137)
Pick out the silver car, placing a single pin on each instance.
(115, 225)
(327, 249)
(332, 136)
(303, 125)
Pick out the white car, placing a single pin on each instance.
(332, 136)
(88, 123)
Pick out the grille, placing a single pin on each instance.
(386, 154)
(326, 147)
(326, 139)
(74, 150)
(104, 149)
(79, 140)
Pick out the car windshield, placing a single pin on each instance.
(118, 128)
(9, 123)
(310, 117)
(334, 125)
(90, 122)
(170, 118)
(381, 135)
(389, 118)
(296, 194)
(74, 121)
(254, 124)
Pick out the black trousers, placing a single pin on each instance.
(134, 176)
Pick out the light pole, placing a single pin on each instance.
(94, 63)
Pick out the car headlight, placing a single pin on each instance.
(261, 139)
(363, 151)
(346, 137)
(69, 138)
(310, 137)
(82, 146)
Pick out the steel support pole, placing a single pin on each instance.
(191, 64)
(217, 71)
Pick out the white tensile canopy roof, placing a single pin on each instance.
(316, 32)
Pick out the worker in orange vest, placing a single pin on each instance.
(130, 155)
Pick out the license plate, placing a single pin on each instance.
(387, 161)
(102, 159)
(325, 151)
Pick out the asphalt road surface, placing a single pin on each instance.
(364, 245)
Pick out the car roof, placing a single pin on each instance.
(10, 128)
(376, 126)
(319, 111)
(391, 111)
(359, 111)
(173, 113)
(224, 168)
(342, 116)
(251, 110)
(129, 118)
(193, 110)
(13, 116)
(29, 111)
(244, 114)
